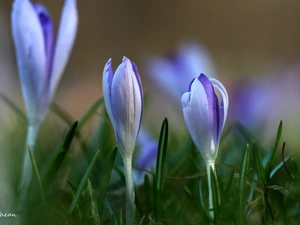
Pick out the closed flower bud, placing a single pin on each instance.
(205, 114)
(123, 97)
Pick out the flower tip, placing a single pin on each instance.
(125, 59)
(185, 99)
(109, 61)
(202, 75)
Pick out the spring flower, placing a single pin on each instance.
(205, 117)
(173, 72)
(123, 97)
(205, 114)
(41, 60)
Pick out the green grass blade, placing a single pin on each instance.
(93, 216)
(229, 180)
(72, 186)
(106, 177)
(83, 183)
(148, 194)
(90, 112)
(111, 213)
(274, 150)
(38, 178)
(63, 150)
(160, 169)
(201, 196)
(243, 180)
(279, 166)
(260, 170)
(215, 193)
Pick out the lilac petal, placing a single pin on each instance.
(106, 85)
(64, 43)
(126, 106)
(48, 30)
(224, 103)
(213, 105)
(163, 74)
(196, 59)
(135, 70)
(196, 115)
(30, 51)
(147, 156)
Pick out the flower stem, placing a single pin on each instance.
(210, 191)
(26, 176)
(130, 205)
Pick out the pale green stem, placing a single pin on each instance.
(130, 205)
(210, 194)
(26, 173)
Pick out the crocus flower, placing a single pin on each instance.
(205, 117)
(123, 97)
(205, 114)
(173, 72)
(41, 60)
(259, 103)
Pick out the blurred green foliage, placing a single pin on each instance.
(81, 179)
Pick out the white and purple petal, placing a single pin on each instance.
(64, 43)
(205, 115)
(106, 85)
(196, 114)
(223, 107)
(30, 52)
(126, 103)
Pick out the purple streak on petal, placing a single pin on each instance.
(213, 105)
(223, 108)
(48, 31)
(190, 86)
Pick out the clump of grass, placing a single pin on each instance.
(81, 181)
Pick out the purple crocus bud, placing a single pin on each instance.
(41, 60)
(173, 72)
(123, 97)
(205, 114)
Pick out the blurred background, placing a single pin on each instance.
(250, 43)
(244, 38)
(254, 48)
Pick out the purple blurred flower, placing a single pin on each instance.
(147, 155)
(174, 72)
(259, 103)
(40, 59)
(123, 97)
(205, 114)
